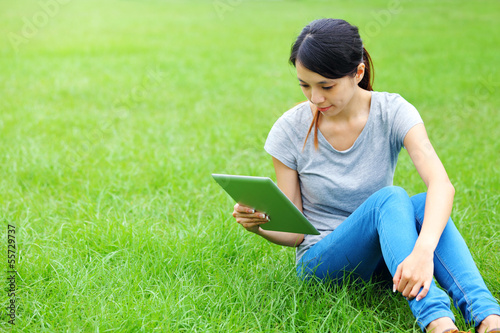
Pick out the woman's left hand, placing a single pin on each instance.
(415, 273)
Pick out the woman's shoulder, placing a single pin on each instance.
(288, 133)
(396, 112)
(300, 110)
(388, 100)
(297, 117)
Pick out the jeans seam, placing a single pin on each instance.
(469, 305)
(435, 315)
(445, 265)
(496, 310)
(380, 239)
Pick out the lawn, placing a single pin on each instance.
(113, 115)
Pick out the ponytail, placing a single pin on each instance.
(367, 81)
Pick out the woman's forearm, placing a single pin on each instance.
(438, 205)
(281, 238)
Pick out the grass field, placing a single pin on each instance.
(113, 115)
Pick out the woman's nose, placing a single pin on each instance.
(317, 97)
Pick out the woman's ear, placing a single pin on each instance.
(360, 73)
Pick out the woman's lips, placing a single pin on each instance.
(324, 109)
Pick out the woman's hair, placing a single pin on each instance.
(331, 48)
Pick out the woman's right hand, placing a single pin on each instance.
(249, 218)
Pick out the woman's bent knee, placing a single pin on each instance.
(393, 193)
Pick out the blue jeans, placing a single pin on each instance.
(384, 229)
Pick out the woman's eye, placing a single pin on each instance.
(303, 85)
(327, 88)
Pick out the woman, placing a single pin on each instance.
(335, 157)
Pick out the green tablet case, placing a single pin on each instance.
(262, 194)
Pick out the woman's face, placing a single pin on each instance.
(330, 96)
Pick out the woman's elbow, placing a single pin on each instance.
(446, 184)
(298, 240)
(452, 188)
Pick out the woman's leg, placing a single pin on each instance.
(383, 226)
(456, 271)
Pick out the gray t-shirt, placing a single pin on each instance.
(334, 183)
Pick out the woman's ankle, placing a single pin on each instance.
(439, 325)
(489, 323)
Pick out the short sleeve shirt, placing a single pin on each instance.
(334, 183)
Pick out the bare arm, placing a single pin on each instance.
(416, 270)
(440, 191)
(288, 182)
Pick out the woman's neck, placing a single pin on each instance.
(358, 107)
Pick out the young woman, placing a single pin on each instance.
(335, 157)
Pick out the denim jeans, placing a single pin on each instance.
(384, 229)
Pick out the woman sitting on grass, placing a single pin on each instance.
(341, 180)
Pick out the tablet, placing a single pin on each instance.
(263, 195)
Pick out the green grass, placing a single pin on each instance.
(114, 114)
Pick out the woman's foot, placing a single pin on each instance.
(489, 323)
(441, 325)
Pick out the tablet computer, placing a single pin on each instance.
(262, 194)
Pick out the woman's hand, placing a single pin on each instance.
(249, 218)
(415, 273)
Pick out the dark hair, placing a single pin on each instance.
(333, 49)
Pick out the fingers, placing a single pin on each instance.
(397, 278)
(254, 221)
(252, 224)
(408, 285)
(411, 291)
(413, 288)
(243, 209)
(424, 290)
(249, 218)
(413, 276)
(244, 212)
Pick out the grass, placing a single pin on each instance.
(114, 114)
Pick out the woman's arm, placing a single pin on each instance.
(416, 271)
(288, 182)
(440, 191)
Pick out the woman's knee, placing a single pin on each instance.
(394, 198)
(394, 193)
